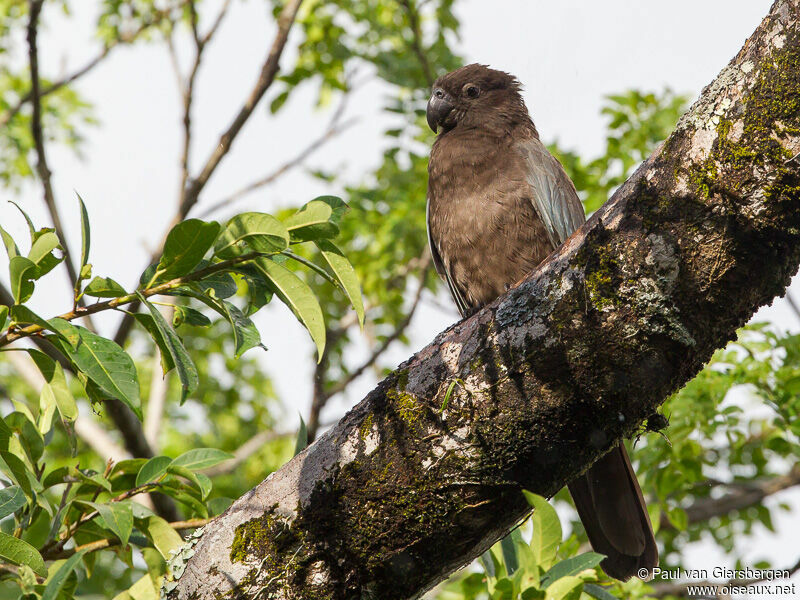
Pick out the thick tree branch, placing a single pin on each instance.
(744, 497)
(407, 488)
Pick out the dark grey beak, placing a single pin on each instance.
(439, 107)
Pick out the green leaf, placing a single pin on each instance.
(312, 222)
(190, 316)
(118, 517)
(245, 334)
(346, 275)
(201, 458)
(20, 552)
(164, 537)
(56, 582)
(104, 287)
(3, 316)
(546, 530)
(302, 437)
(12, 499)
(487, 560)
(571, 566)
(507, 546)
(11, 246)
(677, 516)
(202, 482)
(22, 315)
(153, 469)
(566, 588)
(187, 372)
(596, 591)
(86, 235)
(260, 231)
(146, 320)
(185, 247)
(22, 271)
(296, 294)
(40, 253)
(104, 362)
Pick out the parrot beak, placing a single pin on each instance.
(439, 107)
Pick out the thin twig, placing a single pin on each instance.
(91, 64)
(298, 160)
(38, 138)
(268, 72)
(332, 130)
(703, 510)
(248, 449)
(192, 191)
(32, 330)
(416, 42)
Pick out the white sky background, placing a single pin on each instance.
(569, 54)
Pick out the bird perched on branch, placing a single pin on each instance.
(498, 204)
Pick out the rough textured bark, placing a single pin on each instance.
(411, 485)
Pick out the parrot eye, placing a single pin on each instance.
(471, 90)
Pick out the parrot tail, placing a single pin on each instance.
(612, 510)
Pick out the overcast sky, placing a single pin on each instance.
(568, 54)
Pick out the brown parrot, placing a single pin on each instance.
(498, 204)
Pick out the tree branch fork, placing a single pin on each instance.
(422, 475)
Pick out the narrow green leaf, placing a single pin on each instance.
(153, 469)
(104, 287)
(296, 294)
(164, 537)
(18, 470)
(185, 247)
(11, 246)
(302, 438)
(598, 592)
(546, 530)
(12, 499)
(260, 231)
(346, 275)
(20, 552)
(187, 372)
(22, 271)
(104, 362)
(510, 552)
(571, 566)
(487, 560)
(566, 588)
(31, 228)
(201, 458)
(3, 316)
(56, 582)
(118, 517)
(86, 234)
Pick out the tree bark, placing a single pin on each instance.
(414, 483)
